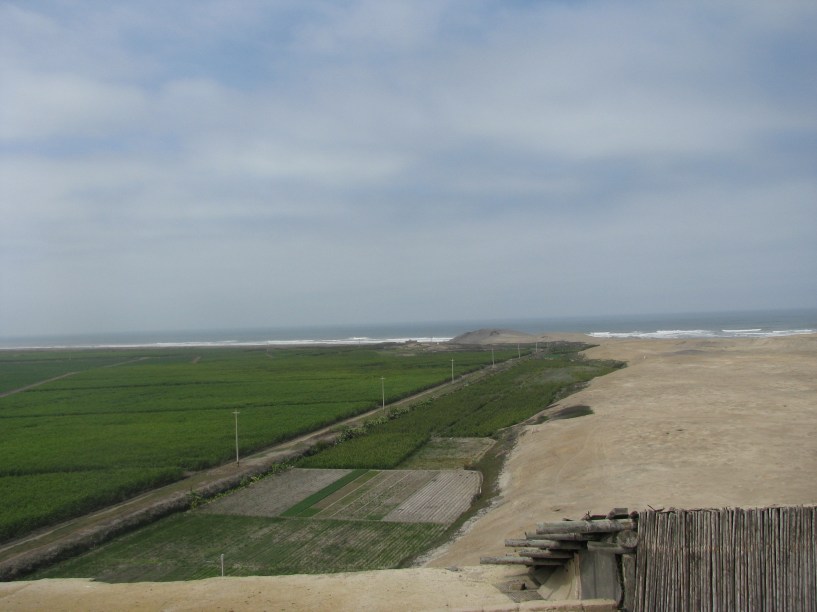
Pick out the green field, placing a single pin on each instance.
(478, 410)
(123, 421)
(188, 546)
(296, 538)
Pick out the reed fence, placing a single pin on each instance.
(731, 559)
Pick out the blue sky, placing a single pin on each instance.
(197, 164)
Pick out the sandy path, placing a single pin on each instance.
(66, 375)
(689, 424)
(37, 384)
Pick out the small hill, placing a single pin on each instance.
(493, 336)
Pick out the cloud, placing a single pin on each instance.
(190, 164)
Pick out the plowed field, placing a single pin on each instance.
(273, 495)
(413, 496)
(441, 500)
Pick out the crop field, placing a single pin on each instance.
(275, 494)
(417, 496)
(478, 410)
(188, 546)
(21, 368)
(357, 520)
(110, 424)
(376, 499)
(448, 454)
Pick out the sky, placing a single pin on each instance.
(205, 164)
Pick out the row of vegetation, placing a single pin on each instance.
(480, 409)
(124, 421)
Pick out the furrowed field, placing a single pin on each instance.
(108, 424)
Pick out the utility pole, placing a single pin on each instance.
(493, 361)
(236, 413)
(383, 390)
(452, 370)
(518, 351)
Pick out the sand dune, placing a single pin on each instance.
(690, 423)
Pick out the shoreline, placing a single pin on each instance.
(749, 323)
(487, 336)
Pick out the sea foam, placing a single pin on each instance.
(703, 333)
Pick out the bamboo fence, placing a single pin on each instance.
(731, 559)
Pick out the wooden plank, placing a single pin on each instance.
(640, 565)
(628, 565)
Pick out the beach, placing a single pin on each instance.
(690, 423)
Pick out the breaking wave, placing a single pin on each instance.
(703, 333)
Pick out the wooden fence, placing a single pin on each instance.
(732, 559)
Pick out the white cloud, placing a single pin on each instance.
(51, 106)
(291, 161)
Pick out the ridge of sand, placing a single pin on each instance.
(689, 423)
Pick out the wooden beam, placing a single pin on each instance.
(552, 544)
(534, 553)
(510, 560)
(505, 561)
(562, 537)
(584, 527)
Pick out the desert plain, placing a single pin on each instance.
(689, 423)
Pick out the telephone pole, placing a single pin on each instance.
(236, 413)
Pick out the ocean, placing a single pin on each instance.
(743, 324)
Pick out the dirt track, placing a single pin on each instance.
(692, 423)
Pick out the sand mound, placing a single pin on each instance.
(493, 336)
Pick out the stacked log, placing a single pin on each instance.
(705, 559)
(556, 543)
